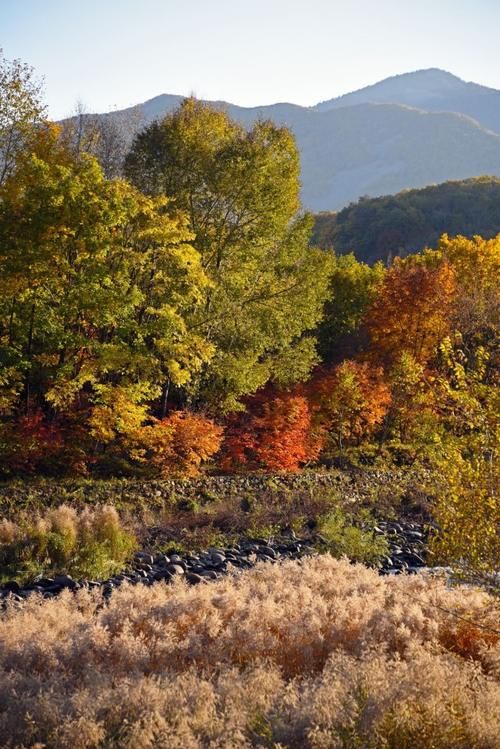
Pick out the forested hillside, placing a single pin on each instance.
(381, 228)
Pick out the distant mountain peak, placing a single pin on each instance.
(413, 88)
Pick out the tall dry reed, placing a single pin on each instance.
(318, 653)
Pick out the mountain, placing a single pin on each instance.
(380, 228)
(432, 90)
(398, 134)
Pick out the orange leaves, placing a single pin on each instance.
(281, 431)
(274, 434)
(178, 444)
(33, 444)
(412, 310)
(351, 401)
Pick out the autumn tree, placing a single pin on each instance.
(413, 309)
(241, 191)
(466, 469)
(96, 284)
(275, 433)
(476, 313)
(350, 402)
(176, 445)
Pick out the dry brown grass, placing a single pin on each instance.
(318, 653)
(90, 543)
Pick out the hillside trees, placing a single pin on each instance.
(241, 192)
(382, 228)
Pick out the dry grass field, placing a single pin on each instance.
(319, 653)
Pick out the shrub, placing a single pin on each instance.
(87, 544)
(274, 434)
(343, 538)
(178, 444)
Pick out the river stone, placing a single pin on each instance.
(176, 569)
(142, 556)
(193, 578)
(218, 558)
(65, 581)
(267, 551)
(11, 587)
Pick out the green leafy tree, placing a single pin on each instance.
(241, 192)
(353, 287)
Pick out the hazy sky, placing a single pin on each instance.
(114, 53)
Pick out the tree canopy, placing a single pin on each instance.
(96, 284)
(21, 107)
(240, 190)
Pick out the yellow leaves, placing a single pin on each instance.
(120, 411)
(476, 261)
(467, 510)
(61, 394)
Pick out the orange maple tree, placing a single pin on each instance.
(275, 433)
(412, 310)
(178, 444)
(350, 402)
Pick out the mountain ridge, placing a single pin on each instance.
(358, 144)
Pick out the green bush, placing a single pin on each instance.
(88, 544)
(357, 542)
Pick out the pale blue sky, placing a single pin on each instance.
(114, 53)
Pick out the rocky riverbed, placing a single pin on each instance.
(406, 543)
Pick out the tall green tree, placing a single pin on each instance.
(353, 287)
(241, 191)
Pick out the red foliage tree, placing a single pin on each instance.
(34, 444)
(275, 433)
